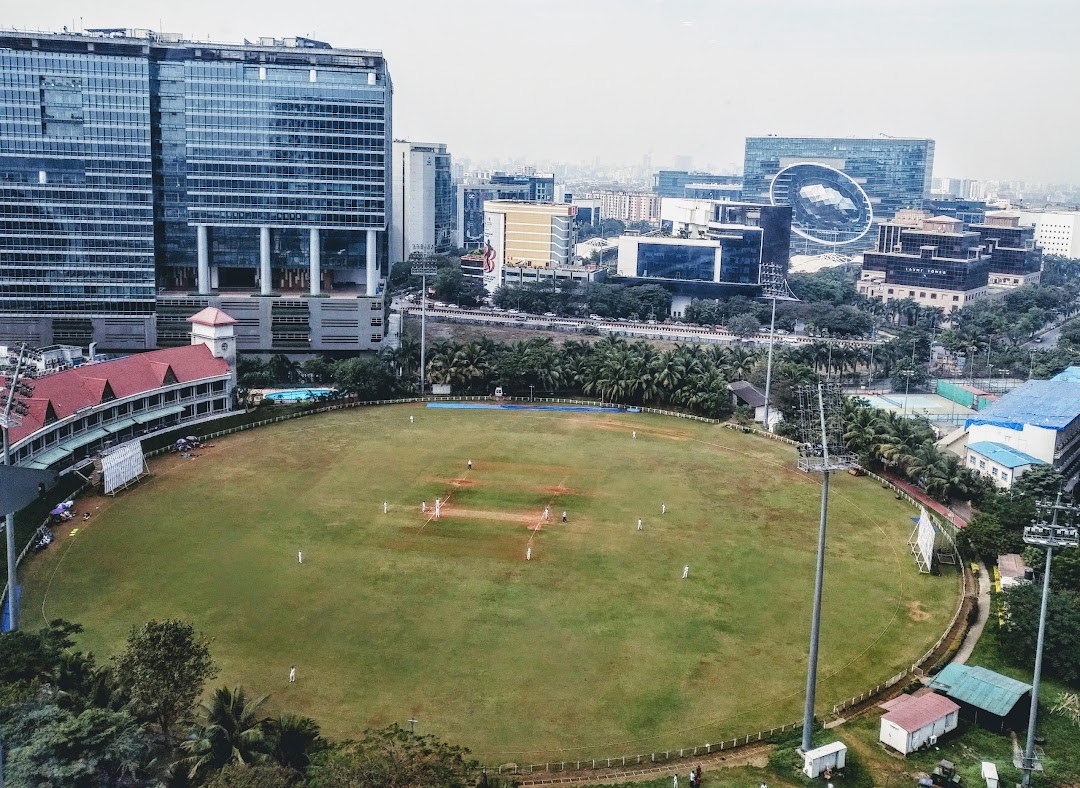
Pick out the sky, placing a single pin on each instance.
(996, 84)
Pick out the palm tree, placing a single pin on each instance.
(231, 732)
(291, 740)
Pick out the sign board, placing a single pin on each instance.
(494, 249)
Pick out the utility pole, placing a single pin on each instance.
(774, 286)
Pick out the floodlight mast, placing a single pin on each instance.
(423, 268)
(774, 286)
(11, 416)
(1049, 535)
(817, 457)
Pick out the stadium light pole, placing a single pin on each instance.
(1049, 535)
(822, 451)
(423, 268)
(11, 416)
(774, 286)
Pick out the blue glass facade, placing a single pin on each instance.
(117, 147)
(893, 173)
(674, 183)
(76, 195)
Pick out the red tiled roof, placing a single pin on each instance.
(81, 387)
(918, 711)
(212, 316)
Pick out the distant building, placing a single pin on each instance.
(422, 215)
(839, 188)
(519, 234)
(968, 211)
(1015, 259)
(986, 698)
(748, 395)
(1057, 232)
(476, 190)
(715, 250)
(932, 261)
(589, 211)
(911, 722)
(629, 206)
(677, 183)
(998, 462)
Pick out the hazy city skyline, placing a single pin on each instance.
(993, 83)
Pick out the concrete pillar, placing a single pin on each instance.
(264, 261)
(372, 274)
(315, 252)
(204, 260)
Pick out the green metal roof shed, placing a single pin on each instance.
(982, 690)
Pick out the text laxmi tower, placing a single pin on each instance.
(143, 176)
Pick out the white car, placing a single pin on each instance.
(549, 314)
(595, 317)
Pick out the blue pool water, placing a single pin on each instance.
(492, 406)
(299, 395)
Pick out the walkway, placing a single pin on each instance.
(926, 500)
(972, 636)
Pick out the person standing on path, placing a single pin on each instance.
(528, 554)
(300, 556)
(639, 523)
(423, 507)
(564, 516)
(410, 420)
(470, 465)
(292, 674)
(663, 508)
(675, 781)
(686, 571)
(634, 436)
(547, 514)
(385, 507)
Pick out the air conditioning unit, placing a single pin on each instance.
(932, 741)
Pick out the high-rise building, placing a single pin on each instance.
(968, 211)
(676, 183)
(474, 191)
(838, 188)
(422, 219)
(137, 164)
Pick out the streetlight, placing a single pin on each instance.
(908, 374)
(531, 387)
(821, 428)
(423, 268)
(1049, 535)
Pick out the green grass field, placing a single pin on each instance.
(596, 646)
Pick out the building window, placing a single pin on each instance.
(376, 306)
(933, 296)
(994, 471)
(376, 321)
(376, 337)
(956, 298)
(982, 465)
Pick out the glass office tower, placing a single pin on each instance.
(76, 194)
(839, 188)
(135, 164)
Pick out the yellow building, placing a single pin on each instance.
(527, 234)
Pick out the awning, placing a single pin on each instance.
(161, 413)
(120, 426)
(82, 440)
(46, 459)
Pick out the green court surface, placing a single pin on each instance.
(596, 646)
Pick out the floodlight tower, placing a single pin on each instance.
(12, 396)
(821, 429)
(423, 268)
(1049, 535)
(774, 286)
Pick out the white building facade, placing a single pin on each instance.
(422, 215)
(1057, 232)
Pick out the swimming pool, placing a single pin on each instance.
(299, 395)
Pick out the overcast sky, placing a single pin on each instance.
(996, 83)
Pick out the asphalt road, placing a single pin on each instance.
(670, 331)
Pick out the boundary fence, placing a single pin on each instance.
(621, 760)
(655, 757)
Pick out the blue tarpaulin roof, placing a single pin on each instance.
(1005, 456)
(1053, 404)
(1071, 374)
(980, 687)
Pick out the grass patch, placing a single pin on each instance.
(595, 647)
